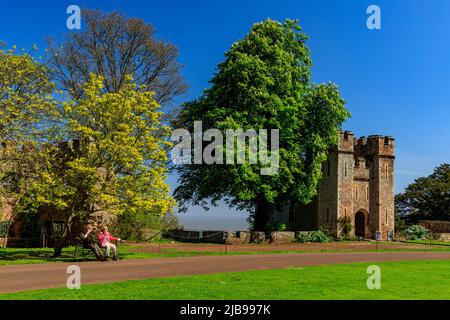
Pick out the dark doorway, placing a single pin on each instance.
(360, 224)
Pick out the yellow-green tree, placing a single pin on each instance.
(27, 112)
(119, 164)
(26, 101)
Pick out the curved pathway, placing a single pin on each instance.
(52, 275)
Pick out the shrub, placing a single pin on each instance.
(313, 236)
(345, 227)
(136, 227)
(329, 231)
(275, 225)
(416, 232)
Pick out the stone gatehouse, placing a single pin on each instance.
(357, 183)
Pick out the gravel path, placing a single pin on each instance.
(52, 275)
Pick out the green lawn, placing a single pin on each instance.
(428, 242)
(13, 256)
(399, 280)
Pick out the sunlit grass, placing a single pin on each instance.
(399, 280)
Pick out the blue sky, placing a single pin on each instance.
(396, 80)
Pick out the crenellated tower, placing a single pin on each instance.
(358, 183)
(380, 150)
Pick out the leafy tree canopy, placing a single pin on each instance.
(115, 74)
(119, 162)
(27, 108)
(114, 46)
(428, 198)
(27, 111)
(26, 101)
(264, 83)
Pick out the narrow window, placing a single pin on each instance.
(386, 217)
(387, 172)
(345, 169)
(328, 215)
(356, 188)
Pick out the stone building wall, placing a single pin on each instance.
(381, 210)
(358, 183)
(436, 226)
(345, 175)
(327, 202)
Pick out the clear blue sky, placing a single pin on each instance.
(396, 81)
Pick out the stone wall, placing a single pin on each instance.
(240, 237)
(444, 237)
(231, 238)
(436, 226)
(282, 237)
(327, 198)
(184, 236)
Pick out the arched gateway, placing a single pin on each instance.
(360, 224)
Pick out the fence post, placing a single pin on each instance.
(225, 238)
(431, 233)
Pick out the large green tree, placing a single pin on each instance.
(264, 83)
(428, 198)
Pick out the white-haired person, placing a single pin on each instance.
(106, 239)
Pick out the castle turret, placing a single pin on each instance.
(337, 175)
(357, 183)
(381, 206)
(346, 162)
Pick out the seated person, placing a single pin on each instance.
(89, 242)
(105, 239)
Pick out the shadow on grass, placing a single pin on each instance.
(23, 256)
(12, 256)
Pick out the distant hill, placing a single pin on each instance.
(214, 222)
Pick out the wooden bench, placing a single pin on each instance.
(79, 246)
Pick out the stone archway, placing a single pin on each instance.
(360, 224)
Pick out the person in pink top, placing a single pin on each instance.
(106, 239)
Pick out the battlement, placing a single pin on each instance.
(380, 145)
(364, 147)
(346, 141)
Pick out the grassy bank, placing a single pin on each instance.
(399, 280)
(12, 256)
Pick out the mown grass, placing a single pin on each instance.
(14, 256)
(399, 280)
(428, 242)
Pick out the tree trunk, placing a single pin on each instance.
(262, 215)
(8, 226)
(59, 244)
(58, 247)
